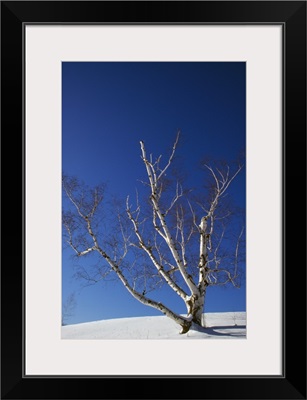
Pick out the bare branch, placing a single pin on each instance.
(171, 156)
(237, 251)
(221, 185)
(145, 248)
(155, 197)
(178, 195)
(149, 252)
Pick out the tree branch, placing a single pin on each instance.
(161, 216)
(149, 252)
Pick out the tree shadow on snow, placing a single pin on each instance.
(213, 330)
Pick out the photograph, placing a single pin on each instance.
(153, 157)
(161, 188)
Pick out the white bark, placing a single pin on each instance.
(203, 256)
(141, 297)
(154, 178)
(155, 262)
(170, 261)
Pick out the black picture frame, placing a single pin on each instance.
(14, 384)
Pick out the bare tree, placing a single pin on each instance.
(68, 308)
(173, 237)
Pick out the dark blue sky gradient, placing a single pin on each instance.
(107, 108)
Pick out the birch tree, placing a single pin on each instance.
(68, 308)
(173, 237)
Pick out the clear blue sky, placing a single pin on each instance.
(107, 108)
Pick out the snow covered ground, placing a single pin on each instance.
(229, 325)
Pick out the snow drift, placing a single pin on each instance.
(229, 325)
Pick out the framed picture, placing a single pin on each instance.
(106, 86)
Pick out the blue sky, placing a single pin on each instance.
(107, 108)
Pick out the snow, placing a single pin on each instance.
(228, 325)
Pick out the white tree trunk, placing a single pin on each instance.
(195, 307)
(168, 266)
